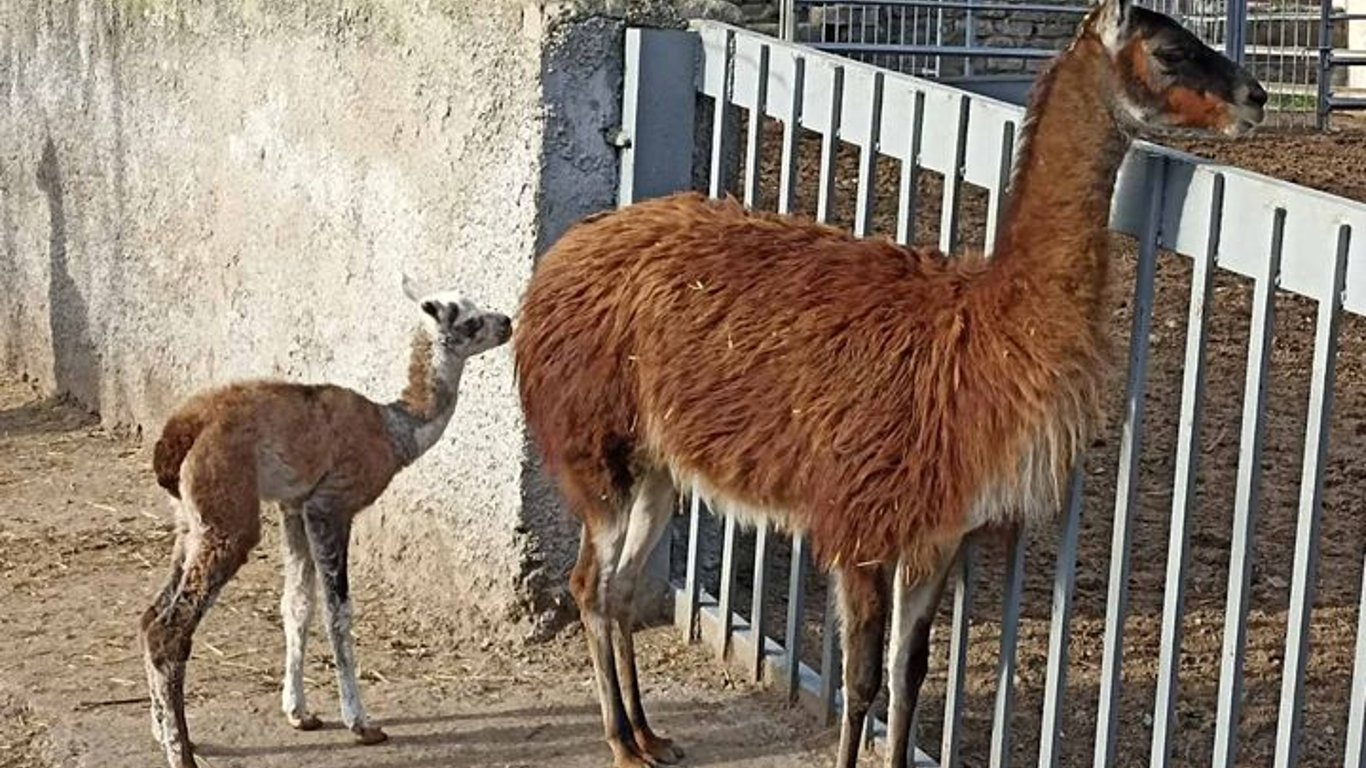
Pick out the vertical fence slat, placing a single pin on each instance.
(796, 615)
(693, 585)
(1131, 446)
(998, 195)
(830, 653)
(825, 196)
(755, 134)
(1005, 667)
(867, 164)
(759, 598)
(950, 756)
(1323, 85)
(787, 184)
(728, 568)
(1311, 505)
(723, 126)
(1245, 503)
(1187, 467)
(1059, 631)
(953, 181)
(1356, 716)
(908, 193)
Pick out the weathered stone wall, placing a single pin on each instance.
(196, 192)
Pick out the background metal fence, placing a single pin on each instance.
(1284, 238)
(1300, 49)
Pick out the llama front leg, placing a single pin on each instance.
(863, 617)
(913, 606)
(329, 535)
(296, 611)
(649, 519)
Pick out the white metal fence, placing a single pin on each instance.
(1283, 237)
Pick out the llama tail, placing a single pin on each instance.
(177, 438)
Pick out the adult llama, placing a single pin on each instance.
(882, 400)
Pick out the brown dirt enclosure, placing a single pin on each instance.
(86, 534)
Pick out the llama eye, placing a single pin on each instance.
(1170, 56)
(470, 326)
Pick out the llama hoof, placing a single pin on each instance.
(369, 734)
(624, 756)
(186, 758)
(305, 722)
(657, 749)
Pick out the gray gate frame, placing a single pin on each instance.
(1166, 199)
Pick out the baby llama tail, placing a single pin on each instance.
(177, 437)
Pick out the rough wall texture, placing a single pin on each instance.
(196, 192)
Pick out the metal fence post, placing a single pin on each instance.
(1235, 29)
(1324, 91)
(787, 20)
(656, 141)
(657, 125)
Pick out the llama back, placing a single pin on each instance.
(781, 366)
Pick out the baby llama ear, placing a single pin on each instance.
(410, 289)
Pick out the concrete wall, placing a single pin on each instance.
(192, 192)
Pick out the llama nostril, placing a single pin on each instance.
(1256, 94)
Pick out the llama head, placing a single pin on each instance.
(462, 328)
(1167, 79)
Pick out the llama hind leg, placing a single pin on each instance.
(863, 617)
(599, 552)
(165, 596)
(329, 534)
(296, 611)
(651, 511)
(167, 638)
(914, 600)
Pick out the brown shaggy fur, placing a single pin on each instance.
(319, 429)
(323, 420)
(869, 379)
(422, 399)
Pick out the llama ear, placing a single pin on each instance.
(1112, 21)
(410, 289)
(431, 308)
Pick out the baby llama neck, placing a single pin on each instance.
(430, 395)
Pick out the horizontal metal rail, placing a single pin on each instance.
(956, 51)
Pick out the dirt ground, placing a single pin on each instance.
(1333, 162)
(83, 543)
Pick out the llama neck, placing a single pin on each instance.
(428, 401)
(1056, 225)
